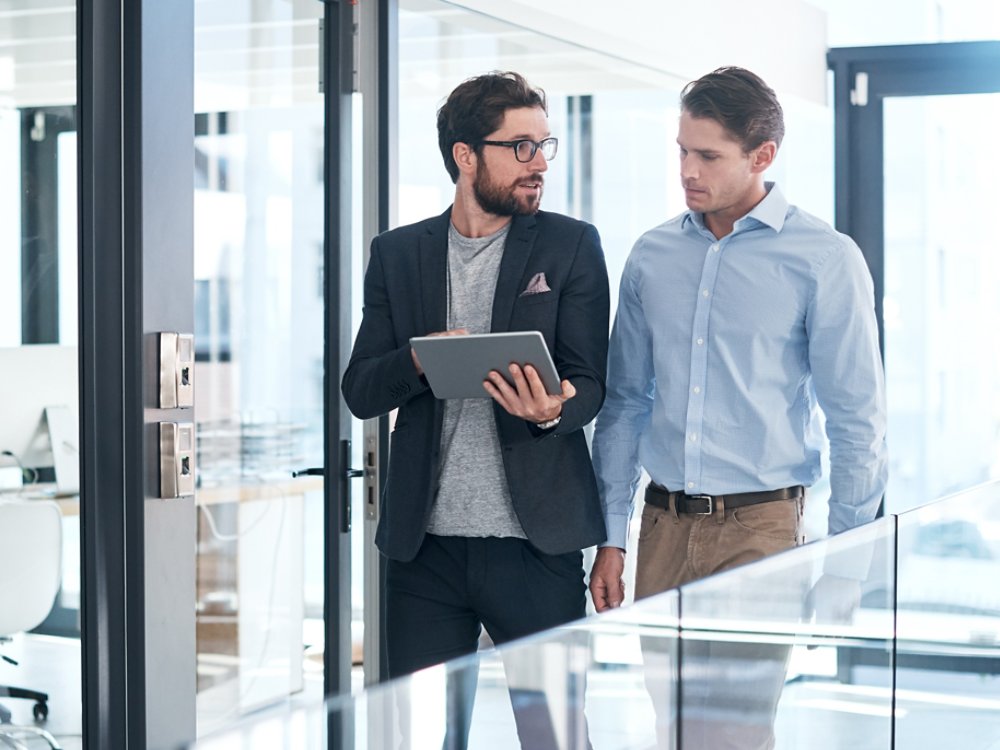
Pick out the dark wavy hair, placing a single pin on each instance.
(477, 107)
(739, 101)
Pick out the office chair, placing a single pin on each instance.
(30, 567)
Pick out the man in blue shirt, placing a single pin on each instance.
(736, 321)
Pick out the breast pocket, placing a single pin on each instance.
(541, 298)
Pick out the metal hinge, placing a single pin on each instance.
(322, 56)
(859, 94)
(356, 47)
(355, 51)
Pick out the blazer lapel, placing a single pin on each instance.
(520, 243)
(433, 272)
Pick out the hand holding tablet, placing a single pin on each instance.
(457, 365)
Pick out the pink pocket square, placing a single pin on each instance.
(537, 285)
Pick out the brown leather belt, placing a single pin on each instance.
(704, 505)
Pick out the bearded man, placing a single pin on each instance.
(488, 502)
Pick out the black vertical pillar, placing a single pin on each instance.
(112, 628)
(338, 69)
(135, 84)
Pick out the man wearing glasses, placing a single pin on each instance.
(489, 501)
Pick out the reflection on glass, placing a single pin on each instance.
(39, 398)
(884, 636)
(258, 131)
(768, 652)
(948, 621)
(790, 652)
(941, 275)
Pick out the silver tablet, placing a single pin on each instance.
(456, 366)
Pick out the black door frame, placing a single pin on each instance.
(863, 78)
(111, 422)
(338, 74)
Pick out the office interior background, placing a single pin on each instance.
(236, 605)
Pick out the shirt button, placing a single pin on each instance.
(700, 341)
(690, 485)
(715, 248)
(697, 389)
(704, 292)
(692, 437)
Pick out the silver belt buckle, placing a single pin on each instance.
(711, 504)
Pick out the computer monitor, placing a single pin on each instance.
(39, 408)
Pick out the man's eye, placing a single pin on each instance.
(710, 157)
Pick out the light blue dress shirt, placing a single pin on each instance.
(720, 354)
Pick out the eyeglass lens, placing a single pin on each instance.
(525, 150)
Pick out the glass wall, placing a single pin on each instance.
(839, 645)
(39, 397)
(941, 273)
(259, 317)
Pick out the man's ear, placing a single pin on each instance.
(465, 157)
(763, 156)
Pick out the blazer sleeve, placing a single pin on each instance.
(581, 346)
(380, 374)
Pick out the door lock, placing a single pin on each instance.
(176, 370)
(176, 459)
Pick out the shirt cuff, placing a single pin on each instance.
(617, 526)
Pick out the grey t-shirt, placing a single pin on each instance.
(473, 498)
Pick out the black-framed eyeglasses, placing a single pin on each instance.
(524, 149)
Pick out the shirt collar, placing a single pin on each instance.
(771, 211)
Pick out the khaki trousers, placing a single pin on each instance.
(728, 691)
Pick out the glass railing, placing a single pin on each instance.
(887, 636)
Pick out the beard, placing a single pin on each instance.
(502, 200)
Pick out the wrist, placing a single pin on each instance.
(548, 424)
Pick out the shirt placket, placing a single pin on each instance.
(700, 343)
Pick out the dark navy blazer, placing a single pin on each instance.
(551, 479)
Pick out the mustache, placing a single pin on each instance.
(536, 178)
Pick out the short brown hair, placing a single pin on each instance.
(477, 107)
(739, 101)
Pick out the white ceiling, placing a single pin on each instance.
(265, 52)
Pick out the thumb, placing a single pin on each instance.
(568, 390)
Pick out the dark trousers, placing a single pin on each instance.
(437, 604)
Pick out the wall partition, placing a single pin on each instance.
(40, 670)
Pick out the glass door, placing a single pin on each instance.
(40, 646)
(916, 189)
(942, 270)
(267, 310)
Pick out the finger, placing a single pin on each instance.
(500, 383)
(535, 385)
(504, 395)
(597, 593)
(568, 390)
(520, 384)
(615, 599)
(495, 394)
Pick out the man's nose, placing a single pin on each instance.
(689, 170)
(538, 163)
